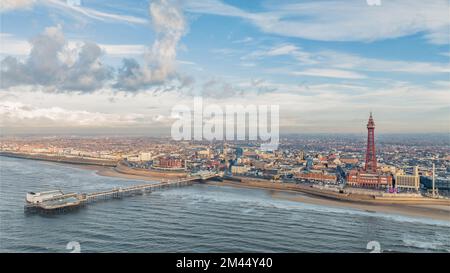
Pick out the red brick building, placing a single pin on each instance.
(318, 176)
(368, 180)
(170, 163)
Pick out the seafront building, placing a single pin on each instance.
(363, 179)
(408, 182)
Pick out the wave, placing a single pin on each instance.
(424, 243)
(254, 198)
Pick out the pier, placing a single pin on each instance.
(56, 203)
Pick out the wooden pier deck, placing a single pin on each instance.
(137, 189)
(85, 198)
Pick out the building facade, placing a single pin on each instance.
(170, 163)
(408, 182)
(368, 180)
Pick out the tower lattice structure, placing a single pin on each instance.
(371, 158)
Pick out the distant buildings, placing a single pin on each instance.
(239, 152)
(316, 159)
(239, 169)
(349, 161)
(139, 157)
(205, 154)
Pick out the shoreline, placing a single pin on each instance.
(61, 159)
(298, 194)
(434, 212)
(112, 172)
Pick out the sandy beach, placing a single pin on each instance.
(111, 172)
(436, 212)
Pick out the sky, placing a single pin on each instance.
(121, 66)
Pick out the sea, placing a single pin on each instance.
(197, 218)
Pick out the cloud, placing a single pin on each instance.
(11, 45)
(397, 106)
(70, 65)
(353, 61)
(50, 63)
(245, 40)
(71, 8)
(342, 20)
(15, 114)
(330, 73)
(123, 49)
(224, 52)
(217, 89)
(78, 10)
(87, 73)
(320, 61)
(285, 49)
(159, 63)
(8, 5)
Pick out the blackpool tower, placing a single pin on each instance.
(371, 158)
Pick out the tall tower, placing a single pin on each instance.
(371, 158)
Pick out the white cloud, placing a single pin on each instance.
(352, 61)
(326, 60)
(159, 63)
(285, 49)
(186, 62)
(224, 51)
(8, 5)
(79, 10)
(244, 40)
(282, 50)
(123, 49)
(15, 114)
(445, 84)
(440, 35)
(343, 20)
(51, 63)
(397, 106)
(330, 73)
(11, 45)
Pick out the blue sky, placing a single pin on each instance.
(326, 63)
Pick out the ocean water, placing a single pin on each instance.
(198, 218)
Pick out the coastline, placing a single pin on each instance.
(297, 194)
(61, 159)
(435, 212)
(112, 172)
